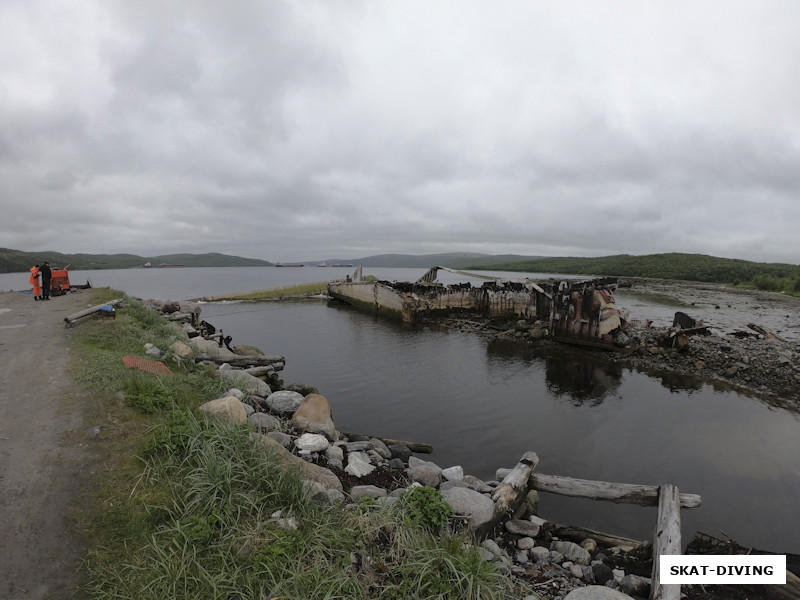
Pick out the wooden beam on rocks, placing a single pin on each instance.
(606, 540)
(511, 492)
(417, 447)
(626, 493)
(70, 320)
(666, 541)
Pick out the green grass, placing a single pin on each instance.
(290, 291)
(186, 506)
(777, 277)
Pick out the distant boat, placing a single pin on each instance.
(322, 264)
(289, 265)
(147, 265)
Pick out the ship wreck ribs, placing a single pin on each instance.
(581, 312)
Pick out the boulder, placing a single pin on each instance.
(264, 422)
(453, 473)
(358, 465)
(424, 472)
(311, 442)
(314, 416)
(595, 592)
(473, 505)
(182, 350)
(367, 490)
(572, 551)
(524, 528)
(228, 408)
(307, 469)
(284, 403)
(245, 381)
(243, 350)
(211, 350)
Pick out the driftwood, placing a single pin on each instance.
(249, 360)
(418, 447)
(626, 493)
(789, 591)
(666, 541)
(262, 371)
(511, 492)
(768, 335)
(606, 540)
(71, 319)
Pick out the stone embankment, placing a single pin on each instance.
(341, 468)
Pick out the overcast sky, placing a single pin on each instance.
(333, 128)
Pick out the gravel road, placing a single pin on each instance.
(46, 454)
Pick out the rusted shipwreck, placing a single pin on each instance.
(575, 312)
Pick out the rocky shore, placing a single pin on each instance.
(295, 421)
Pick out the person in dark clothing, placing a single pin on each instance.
(46, 274)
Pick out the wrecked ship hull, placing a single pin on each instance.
(582, 313)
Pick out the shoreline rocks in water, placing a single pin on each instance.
(342, 467)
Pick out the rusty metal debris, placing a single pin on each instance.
(575, 312)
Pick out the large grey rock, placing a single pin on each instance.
(357, 466)
(245, 381)
(264, 422)
(314, 416)
(311, 442)
(284, 403)
(211, 350)
(284, 439)
(424, 472)
(227, 408)
(523, 527)
(182, 350)
(367, 490)
(453, 473)
(475, 506)
(595, 592)
(309, 470)
(572, 551)
(634, 585)
(381, 448)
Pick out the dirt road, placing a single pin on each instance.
(46, 454)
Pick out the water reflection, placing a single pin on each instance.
(579, 377)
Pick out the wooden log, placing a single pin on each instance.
(606, 540)
(250, 360)
(70, 320)
(666, 541)
(418, 447)
(625, 493)
(788, 591)
(511, 492)
(768, 334)
(262, 371)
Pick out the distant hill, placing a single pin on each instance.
(16, 261)
(689, 267)
(454, 260)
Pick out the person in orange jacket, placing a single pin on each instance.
(34, 281)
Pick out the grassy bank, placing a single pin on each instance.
(304, 290)
(775, 277)
(188, 507)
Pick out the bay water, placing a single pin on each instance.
(484, 403)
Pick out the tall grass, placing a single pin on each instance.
(189, 507)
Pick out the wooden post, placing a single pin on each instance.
(509, 494)
(667, 540)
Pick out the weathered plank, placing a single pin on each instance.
(666, 541)
(418, 447)
(606, 540)
(70, 320)
(511, 492)
(625, 493)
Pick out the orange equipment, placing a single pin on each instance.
(59, 282)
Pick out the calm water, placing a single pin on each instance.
(483, 404)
